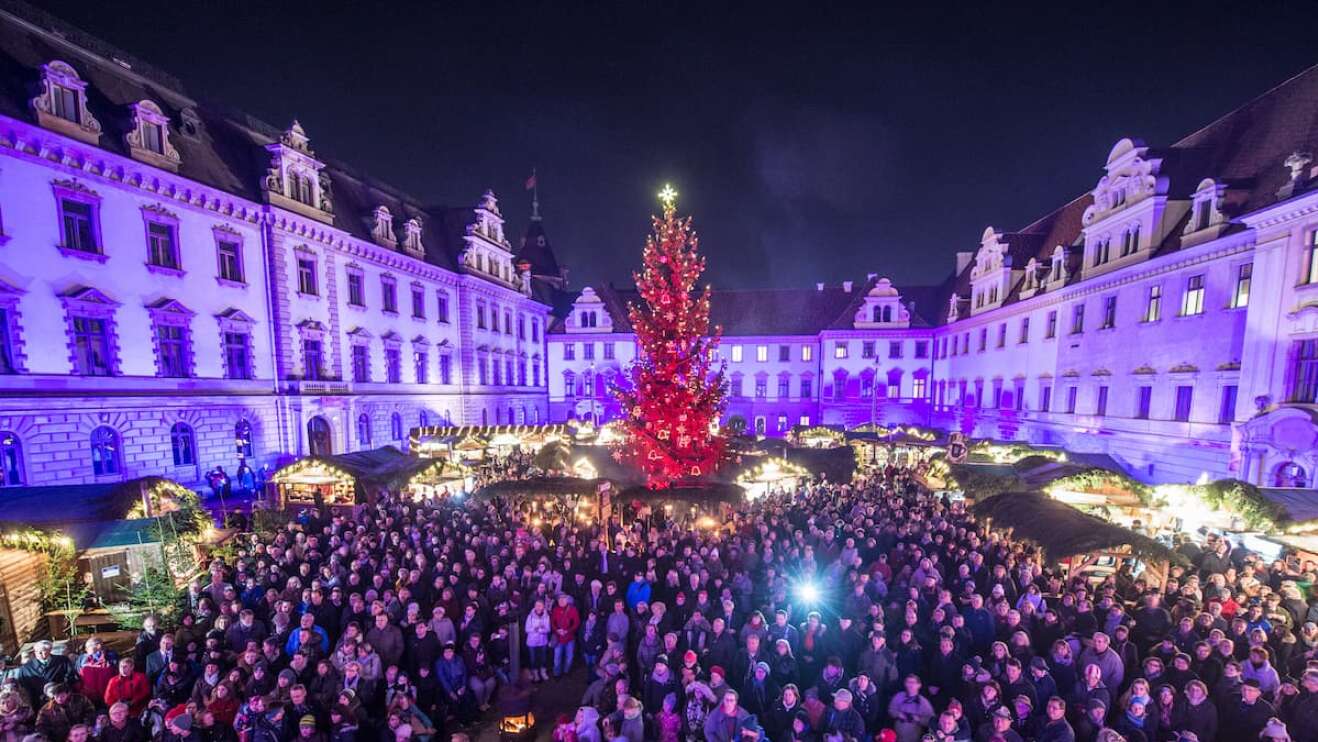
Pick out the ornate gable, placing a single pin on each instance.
(61, 103)
(382, 226)
(1132, 176)
(589, 314)
(882, 307)
(148, 139)
(990, 277)
(296, 180)
(486, 251)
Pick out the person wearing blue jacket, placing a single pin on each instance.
(638, 591)
(451, 674)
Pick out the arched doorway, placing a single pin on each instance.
(1290, 474)
(320, 442)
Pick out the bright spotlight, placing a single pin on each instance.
(808, 592)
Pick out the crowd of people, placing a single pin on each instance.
(866, 611)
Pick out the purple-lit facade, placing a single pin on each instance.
(182, 288)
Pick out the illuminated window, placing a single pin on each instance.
(1244, 275)
(736, 354)
(183, 444)
(1193, 301)
(105, 451)
(11, 460)
(807, 352)
(761, 353)
(1153, 305)
(840, 349)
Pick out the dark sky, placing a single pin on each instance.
(809, 144)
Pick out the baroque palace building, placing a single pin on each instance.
(183, 287)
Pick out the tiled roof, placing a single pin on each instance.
(537, 250)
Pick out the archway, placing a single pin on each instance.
(320, 441)
(1289, 474)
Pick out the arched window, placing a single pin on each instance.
(364, 429)
(242, 438)
(319, 440)
(396, 426)
(569, 384)
(105, 451)
(185, 446)
(11, 460)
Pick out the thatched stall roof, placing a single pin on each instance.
(1062, 531)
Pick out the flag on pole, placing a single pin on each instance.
(530, 182)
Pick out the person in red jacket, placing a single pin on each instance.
(564, 620)
(130, 687)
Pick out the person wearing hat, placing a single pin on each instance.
(758, 696)
(179, 729)
(998, 727)
(306, 728)
(1092, 721)
(1249, 713)
(661, 681)
(843, 718)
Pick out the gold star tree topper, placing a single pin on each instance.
(668, 197)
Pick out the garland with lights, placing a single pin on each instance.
(677, 391)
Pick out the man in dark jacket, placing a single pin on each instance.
(44, 668)
(1246, 717)
(1056, 729)
(1197, 714)
(1300, 709)
(843, 719)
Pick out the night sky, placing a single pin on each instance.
(809, 145)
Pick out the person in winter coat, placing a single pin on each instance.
(128, 686)
(760, 693)
(44, 668)
(451, 674)
(95, 668)
(64, 710)
(911, 712)
(879, 663)
(387, 639)
(660, 683)
(537, 640)
(1246, 717)
(1259, 667)
(778, 722)
(586, 724)
(866, 700)
(668, 721)
(1055, 728)
(1198, 714)
(564, 621)
(842, 718)
(700, 700)
(724, 723)
(16, 714)
(122, 727)
(1109, 662)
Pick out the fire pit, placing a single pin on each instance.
(513, 728)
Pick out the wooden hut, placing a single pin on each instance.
(350, 479)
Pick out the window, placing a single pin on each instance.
(736, 354)
(569, 351)
(1243, 276)
(921, 348)
(521, 373)
(153, 137)
(996, 401)
(65, 102)
(508, 330)
(363, 430)
(569, 384)
(306, 277)
(388, 295)
(806, 391)
(361, 363)
(421, 364)
(587, 351)
(1311, 272)
(1227, 412)
(1045, 398)
(446, 369)
(919, 387)
(867, 349)
(300, 188)
(184, 445)
(8, 364)
(313, 360)
(1305, 387)
(983, 339)
(866, 385)
(1109, 312)
(761, 353)
(1193, 301)
(78, 221)
(418, 303)
(230, 256)
(172, 350)
(1050, 331)
(784, 353)
(242, 438)
(784, 387)
(761, 388)
(1143, 402)
(535, 373)
(1153, 304)
(807, 352)
(237, 355)
(535, 330)
(608, 351)
(396, 426)
(895, 383)
(1024, 335)
(423, 418)
(840, 350)
(1071, 394)
(441, 313)
(356, 294)
(480, 315)
(11, 460)
(736, 386)
(782, 423)
(1019, 394)
(1002, 335)
(105, 451)
(1184, 399)
(91, 347)
(1078, 319)
(162, 248)
(895, 349)
(393, 366)
(1100, 408)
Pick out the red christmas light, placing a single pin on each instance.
(676, 383)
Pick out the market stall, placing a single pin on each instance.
(818, 436)
(898, 445)
(1073, 539)
(351, 479)
(476, 442)
(772, 475)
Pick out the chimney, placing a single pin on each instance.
(846, 286)
(819, 286)
(962, 260)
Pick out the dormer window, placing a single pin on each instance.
(62, 103)
(1206, 219)
(148, 140)
(382, 228)
(1130, 240)
(412, 236)
(294, 178)
(301, 188)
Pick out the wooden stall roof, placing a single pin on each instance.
(538, 487)
(1063, 531)
(380, 467)
(87, 513)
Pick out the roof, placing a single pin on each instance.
(536, 250)
(226, 150)
(77, 503)
(789, 311)
(1062, 531)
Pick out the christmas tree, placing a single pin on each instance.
(676, 391)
